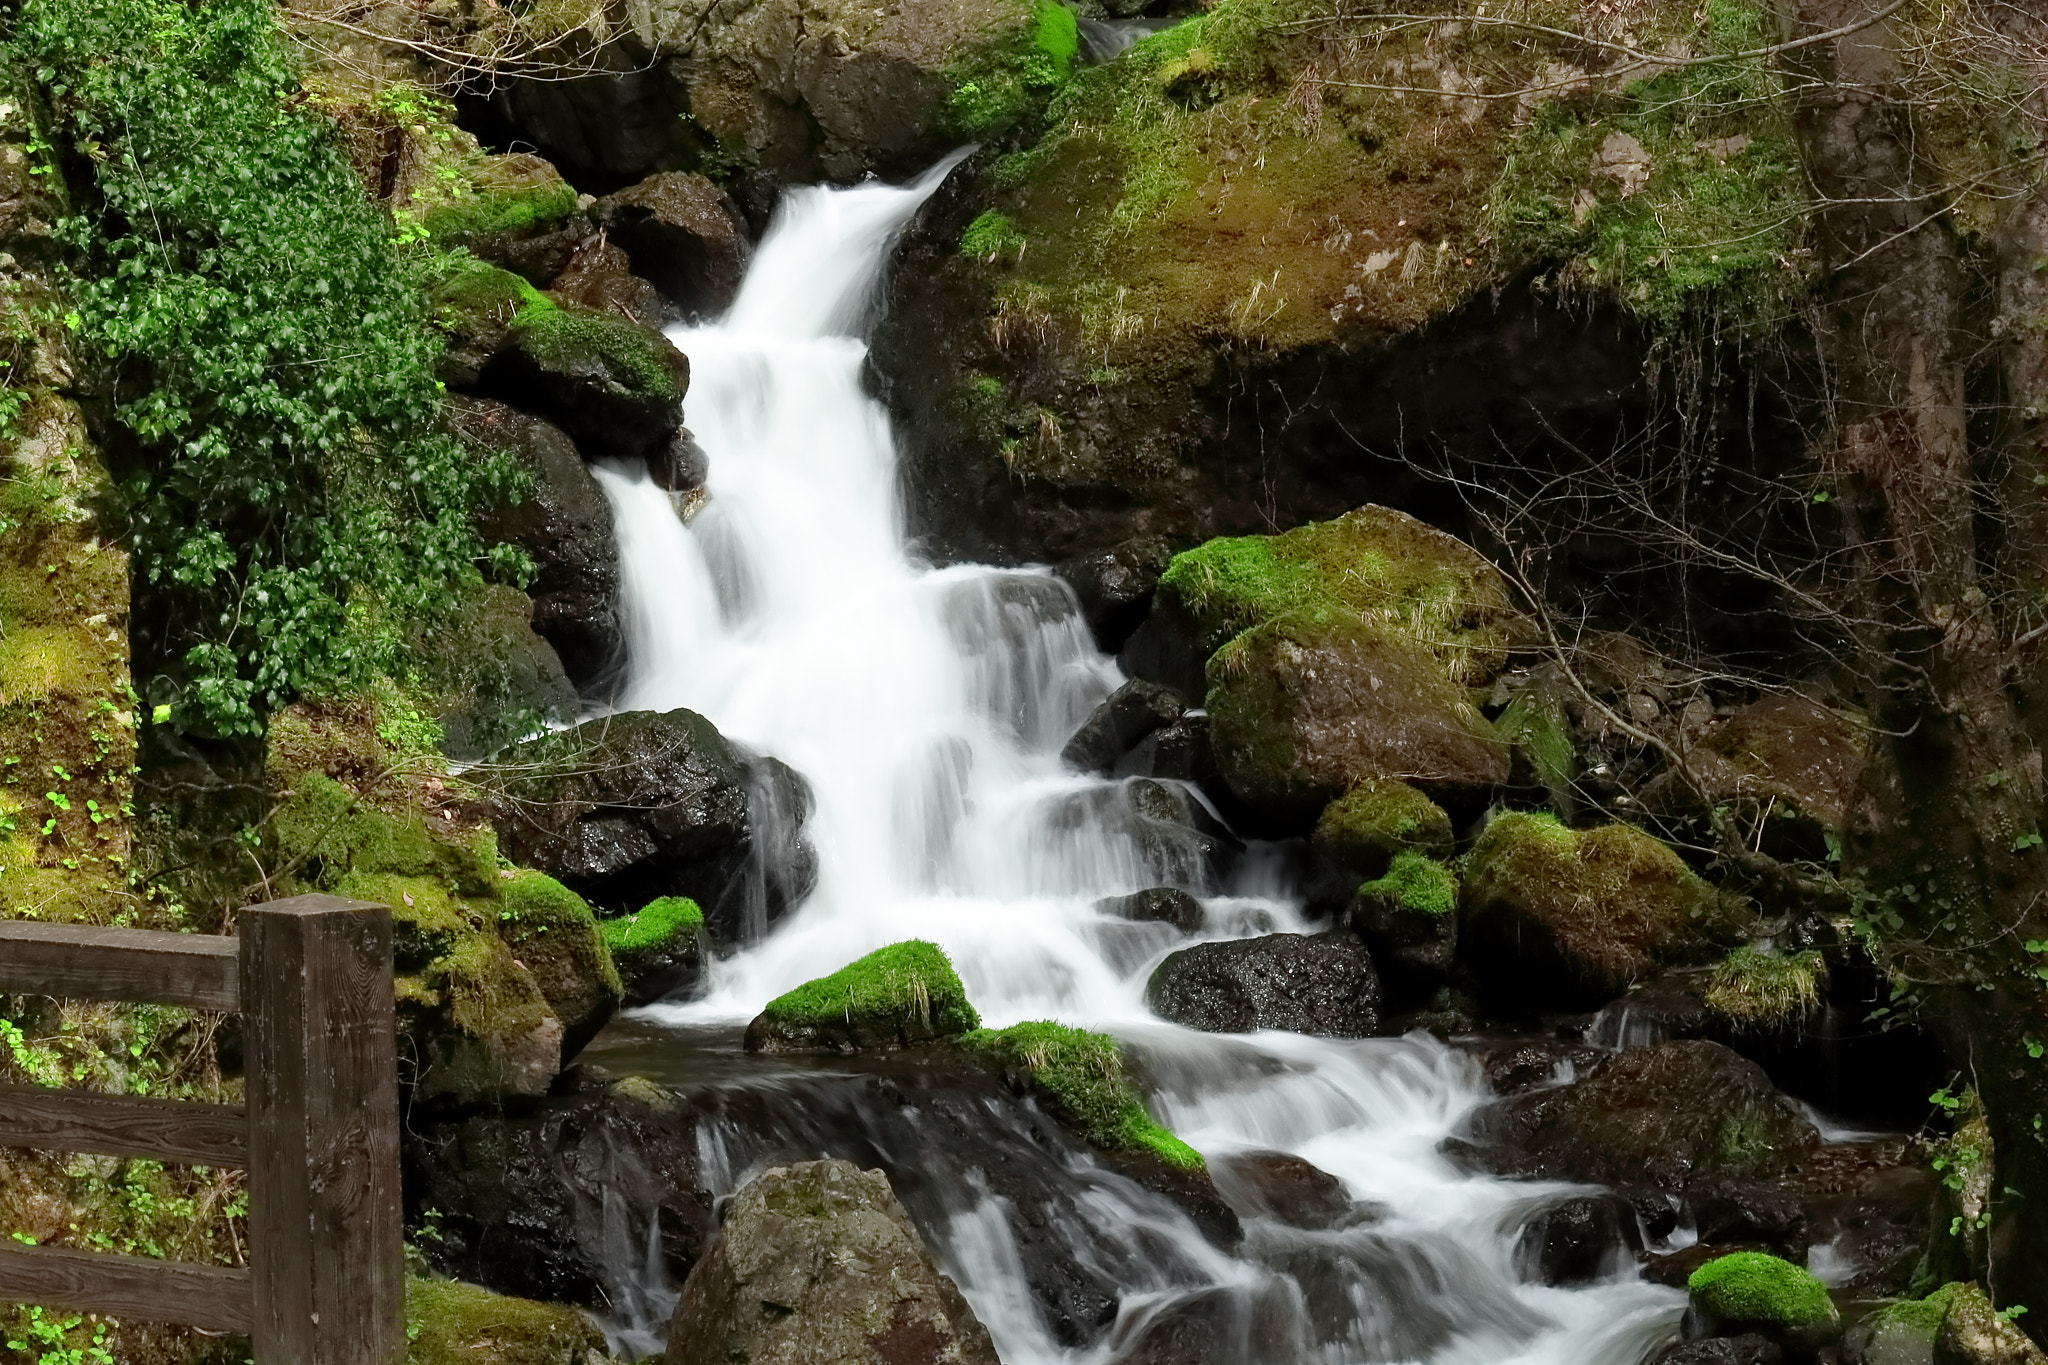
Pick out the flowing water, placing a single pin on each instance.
(927, 709)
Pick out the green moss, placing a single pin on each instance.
(1755, 988)
(909, 979)
(1912, 1319)
(569, 340)
(1418, 883)
(450, 1323)
(466, 289)
(511, 212)
(992, 237)
(328, 833)
(654, 927)
(1001, 86)
(555, 934)
(1616, 900)
(1537, 726)
(1378, 820)
(1085, 1073)
(1750, 1286)
(1374, 566)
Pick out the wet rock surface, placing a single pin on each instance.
(1324, 985)
(1285, 1188)
(1130, 714)
(642, 804)
(684, 235)
(820, 1261)
(1578, 1241)
(1159, 905)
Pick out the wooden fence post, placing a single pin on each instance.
(326, 1241)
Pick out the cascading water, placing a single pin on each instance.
(927, 708)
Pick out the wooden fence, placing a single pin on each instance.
(311, 977)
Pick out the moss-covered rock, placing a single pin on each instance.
(1757, 988)
(1902, 1333)
(473, 306)
(1377, 821)
(485, 202)
(1974, 1332)
(659, 950)
(1300, 713)
(1604, 906)
(553, 933)
(451, 1323)
(612, 384)
(905, 993)
(1083, 1074)
(1752, 1289)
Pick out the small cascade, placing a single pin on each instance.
(926, 708)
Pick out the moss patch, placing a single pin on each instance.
(1377, 821)
(999, 86)
(1416, 883)
(576, 341)
(655, 929)
(451, 1323)
(1538, 726)
(1616, 901)
(1750, 1286)
(1373, 566)
(992, 237)
(1755, 988)
(1085, 1073)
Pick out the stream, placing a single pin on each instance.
(927, 708)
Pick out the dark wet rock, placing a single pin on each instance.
(1159, 905)
(1191, 1188)
(1182, 752)
(1579, 1241)
(532, 1203)
(640, 804)
(615, 386)
(1766, 1214)
(1128, 715)
(599, 276)
(819, 1261)
(1418, 943)
(1115, 586)
(565, 524)
(685, 235)
(1749, 1349)
(1169, 647)
(1285, 1188)
(681, 466)
(1324, 985)
(1215, 1327)
(1513, 1065)
(1664, 1117)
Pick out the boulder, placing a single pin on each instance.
(615, 386)
(1181, 752)
(598, 276)
(896, 996)
(472, 305)
(1409, 916)
(1129, 714)
(1749, 1349)
(1973, 1333)
(1751, 1292)
(637, 805)
(1577, 1241)
(1287, 1189)
(1362, 830)
(683, 234)
(451, 1323)
(1619, 1123)
(1574, 916)
(659, 949)
(565, 525)
(1788, 756)
(528, 1202)
(1115, 586)
(1323, 985)
(1302, 713)
(819, 1261)
(498, 679)
(1159, 905)
(553, 935)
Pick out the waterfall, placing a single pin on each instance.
(927, 708)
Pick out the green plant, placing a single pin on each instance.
(992, 237)
(1755, 987)
(275, 373)
(1751, 1286)
(994, 92)
(1417, 883)
(1085, 1073)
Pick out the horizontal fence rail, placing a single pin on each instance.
(311, 977)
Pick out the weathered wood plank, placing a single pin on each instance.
(121, 1125)
(85, 963)
(325, 1234)
(212, 1297)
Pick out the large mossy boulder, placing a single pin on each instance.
(1662, 1117)
(451, 1323)
(1591, 909)
(819, 1262)
(615, 386)
(1366, 828)
(1324, 985)
(1409, 915)
(1754, 1292)
(553, 934)
(903, 994)
(640, 804)
(564, 524)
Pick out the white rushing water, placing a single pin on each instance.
(927, 709)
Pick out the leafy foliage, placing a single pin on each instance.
(268, 350)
